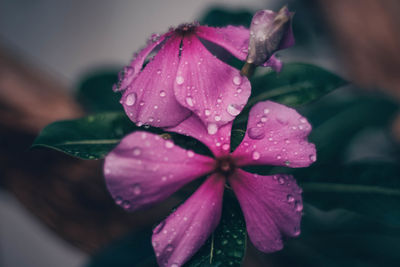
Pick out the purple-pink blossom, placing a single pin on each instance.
(145, 169)
(184, 77)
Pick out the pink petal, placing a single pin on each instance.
(274, 64)
(130, 72)
(144, 169)
(150, 98)
(217, 140)
(276, 135)
(213, 90)
(271, 206)
(180, 236)
(233, 39)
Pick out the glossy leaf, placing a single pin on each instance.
(96, 94)
(227, 245)
(91, 137)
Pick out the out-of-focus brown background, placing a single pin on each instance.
(359, 39)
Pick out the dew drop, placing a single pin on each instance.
(233, 110)
(126, 204)
(298, 206)
(313, 157)
(266, 111)
(179, 80)
(207, 112)
(290, 198)
(164, 178)
(174, 265)
(189, 101)
(287, 163)
(217, 118)
(303, 120)
(256, 133)
(169, 144)
(136, 189)
(159, 227)
(264, 119)
(169, 248)
(118, 200)
(225, 147)
(158, 71)
(256, 155)
(137, 151)
(237, 80)
(190, 154)
(163, 93)
(281, 180)
(130, 99)
(296, 231)
(212, 128)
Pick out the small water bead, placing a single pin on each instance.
(298, 206)
(207, 112)
(174, 265)
(296, 231)
(281, 180)
(264, 119)
(136, 189)
(303, 120)
(158, 71)
(189, 101)
(287, 163)
(212, 128)
(163, 93)
(313, 157)
(256, 155)
(237, 80)
(266, 111)
(278, 156)
(126, 204)
(136, 151)
(190, 154)
(179, 80)
(130, 99)
(118, 200)
(155, 107)
(233, 110)
(169, 248)
(256, 133)
(225, 147)
(169, 144)
(217, 118)
(164, 178)
(219, 100)
(239, 90)
(290, 198)
(141, 103)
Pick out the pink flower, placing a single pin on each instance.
(184, 77)
(145, 169)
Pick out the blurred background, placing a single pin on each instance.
(59, 213)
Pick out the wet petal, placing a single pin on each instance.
(234, 39)
(144, 169)
(273, 63)
(130, 72)
(216, 139)
(181, 235)
(276, 135)
(213, 90)
(271, 206)
(150, 98)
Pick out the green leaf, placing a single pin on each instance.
(134, 249)
(96, 94)
(227, 245)
(368, 188)
(297, 84)
(339, 238)
(91, 137)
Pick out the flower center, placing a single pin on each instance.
(186, 28)
(225, 165)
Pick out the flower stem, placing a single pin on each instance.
(248, 69)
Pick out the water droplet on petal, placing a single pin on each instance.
(163, 93)
(266, 111)
(136, 189)
(212, 128)
(174, 265)
(256, 155)
(281, 180)
(189, 101)
(290, 198)
(190, 154)
(136, 151)
(130, 99)
(158, 71)
(169, 248)
(169, 144)
(237, 80)
(207, 112)
(313, 157)
(303, 120)
(179, 80)
(256, 133)
(126, 204)
(296, 231)
(118, 200)
(217, 118)
(287, 163)
(233, 110)
(298, 206)
(225, 147)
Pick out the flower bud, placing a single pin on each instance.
(269, 32)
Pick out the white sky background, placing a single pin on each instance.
(67, 38)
